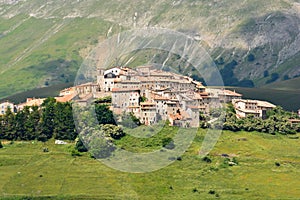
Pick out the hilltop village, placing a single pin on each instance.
(151, 95)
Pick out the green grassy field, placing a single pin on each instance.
(26, 171)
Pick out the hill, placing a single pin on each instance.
(293, 84)
(267, 168)
(51, 91)
(43, 42)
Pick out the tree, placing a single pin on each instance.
(1, 127)
(104, 115)
(32, 122)
(100, 148)
(64, 123)
(1, 146)
(9, 131)
(79, 146)
(130, 121)
(47, 124)
(266, 73)
(20, 124)
(250, 57)
(112, 131)
(98, 144)
(142, 99)
(168, 143)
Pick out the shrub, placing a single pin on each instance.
(130, 121)
(42, 138)
(250, 57)
(211, 192)
(168, 143)
(207, 159)
(195, 190)
(100, 148)
(79, 146)
(112, 131)
(235, 160)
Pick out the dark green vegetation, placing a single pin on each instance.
(53, 120)
(267, 168)
(44, 42)
(276, 121)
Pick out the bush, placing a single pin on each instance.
(130, 121)
(112, 131)
(42, 138)
(207, 159)
(79, 146)
(100, 148)
(168, 143)
(250, 57)
(274, 77)
(211, 192)
(235, 160)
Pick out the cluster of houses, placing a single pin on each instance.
(152, 95)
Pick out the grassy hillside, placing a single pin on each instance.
(36, 32)
(29, 59)
(293, 84)
(26, 170)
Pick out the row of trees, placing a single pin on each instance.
(54, 119)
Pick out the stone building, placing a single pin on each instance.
(244, 108)
(6, 105)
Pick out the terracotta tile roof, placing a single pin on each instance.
(232, 93)
(66, 98)
(176, 116)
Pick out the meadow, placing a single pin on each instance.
(267, 168)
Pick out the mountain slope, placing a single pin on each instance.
(262, 37)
